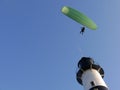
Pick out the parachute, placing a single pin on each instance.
(79, 17)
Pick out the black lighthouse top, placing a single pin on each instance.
(86, 63)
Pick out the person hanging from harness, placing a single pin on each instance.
(82, 30)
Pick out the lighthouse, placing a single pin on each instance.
(90, 75)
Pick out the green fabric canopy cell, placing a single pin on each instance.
(79, 17)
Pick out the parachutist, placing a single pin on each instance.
(82, 30)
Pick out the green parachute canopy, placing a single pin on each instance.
(79, 17)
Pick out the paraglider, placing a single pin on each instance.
(79, 17)
(82, 30)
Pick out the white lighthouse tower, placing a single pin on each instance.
(90, 75)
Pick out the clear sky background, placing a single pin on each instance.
(40, 47)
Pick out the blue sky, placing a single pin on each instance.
(40, 47)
